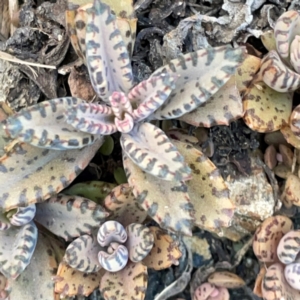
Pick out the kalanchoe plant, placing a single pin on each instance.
(111, 76)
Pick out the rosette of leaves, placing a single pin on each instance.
(145, 246)
(67, 217)
(268, 103)
(111, 76)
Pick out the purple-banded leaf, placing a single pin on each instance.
(123, 206)
(70, 282)
(295, 57)
(92, 118)
(34, 174)
(129, 283)
(82, 254)
(17, 247)
(44, 125)
(202, 74)
(36, 280)
(4, 222)
(222, 108)
(167, 202)
(23, 215)
(70, 216)
(208, 192)
(152, 151)
(286, 28)
(277, 75)
(266, 110)
(107, 57)
(139, 242)
(110, 232)
(150, 94)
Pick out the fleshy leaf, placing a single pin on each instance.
(17, 247)
(82, 254)
(222, 108)
(129, 283)
(70, 216)
(167, 202)
(202, 74)
(139, 242)
(4, 289)
(4, 222)
(164, 253)
(286, 28)
(76, 19)
(44, 125)
(290, 136)
(93, 190)
(150, 94)
(277, 75)
(34, 174)
(207, 190)
(70, 282)
(142, 144)
(92, 118)
(36, 281)
(123, 207)
(107, 57)
(265, 109)
(23, 215)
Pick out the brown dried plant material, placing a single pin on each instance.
(207, 291)
(290, 136)
(275, 286)
(123, 206)
(208, 192)
(167, 202)
(270, 157)
(129, 283)
(287, 155)
(282, 171)
(70, 282)
(226, 279)
(257, 290)
(275, 138)
(164, 253)
(291, 193)
(265, 109)
(268, 235)
(80, 85)
(4, 289)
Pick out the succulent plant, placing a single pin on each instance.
(106, 50)
(277, 244)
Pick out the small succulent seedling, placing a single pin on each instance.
(275, 242)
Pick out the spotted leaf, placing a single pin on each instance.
(139, 242)
(202, 74)
(70, 282)
(70, 216)
(150, 94)
(17, 247)
(265, 109)
(36, 281)
(107, 57)
(167, 202)
(123, 206)
(82, 254)
(129, 283)
(5, 112)
(141, 146)
(93, 190)
(44, 125)
(34, 174)
(165, 251)
(222, 108)
(208, 192)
